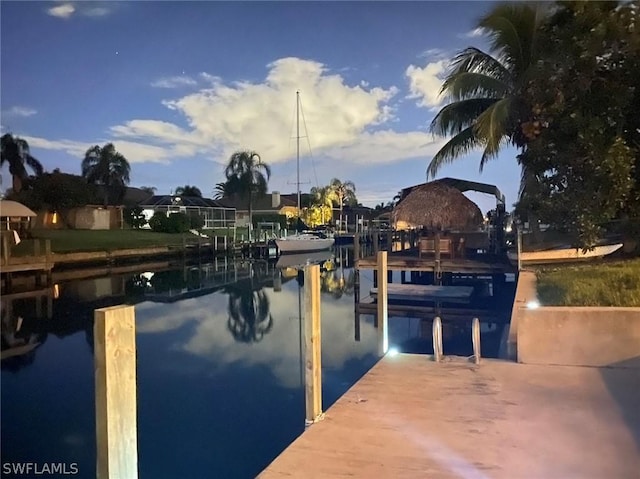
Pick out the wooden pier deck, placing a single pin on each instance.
(410, 417)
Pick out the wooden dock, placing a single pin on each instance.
(402, 261)
(410, 417)
(425, 293)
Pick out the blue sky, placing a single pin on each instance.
(179, 86)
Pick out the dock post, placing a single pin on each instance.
(312, 341)
(437, 339)
(519, 241)
(356, 249)
(215, 244)
(376, 243)
(356, 302)
(475, 339)
(47, 256)
(383, 333)
(390, 241)
(115, 382)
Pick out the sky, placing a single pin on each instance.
(179, 86)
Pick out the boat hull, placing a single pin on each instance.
(565, 255)
(293, 245)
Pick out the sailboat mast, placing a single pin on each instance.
(298, 147)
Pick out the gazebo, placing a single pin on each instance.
(15, 216)
(437, 206)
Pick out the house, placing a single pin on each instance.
(270, 204)
(216, 214)
(352, 215)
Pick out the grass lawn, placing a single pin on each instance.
(600, 284)
(66, 241)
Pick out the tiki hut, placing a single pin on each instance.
(436, 205)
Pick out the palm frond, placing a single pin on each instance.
(491, 128)
(34, 164)
(465, 85)
(473, 59)
(455, 117)
(459, 145)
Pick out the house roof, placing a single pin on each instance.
(14, 209)
(261, 203)
(188, 201)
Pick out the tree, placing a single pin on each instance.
(105, 167)
(57, 192)
(484, 91)
(222, 190)
(343, 192)
(15, 152)
(323, 197)
(247, 176)
(584, 126)
(188, 190)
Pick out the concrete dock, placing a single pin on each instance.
(410, 417)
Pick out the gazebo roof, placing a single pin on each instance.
(437, 204)
(14, 209)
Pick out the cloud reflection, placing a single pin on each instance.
(205, 321)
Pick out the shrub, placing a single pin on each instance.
(159, 222)
(178, 223)
(196, 221)
(133, 217)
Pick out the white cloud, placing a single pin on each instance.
(174, 82)
(222, 117)
(260, 115)
(75, 148)
(62, 11)
(85, 8)
(387, 146)
(133, 151)
(96, 12)
(425, 83)
(19, 111)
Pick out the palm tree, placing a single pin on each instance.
(222, 190)
(106, 167)
(249, 316)
(188, 190)
(323, 196)
(248, 177)
(343, 191)
(486, 108)
(15, 152)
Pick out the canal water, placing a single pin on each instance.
(220, 370)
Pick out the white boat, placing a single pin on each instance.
(302, 242)
(562, 255)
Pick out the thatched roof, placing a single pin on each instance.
(436, 205)
(14, 209)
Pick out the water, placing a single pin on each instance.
(220, 379)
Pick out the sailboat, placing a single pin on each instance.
(306, 241)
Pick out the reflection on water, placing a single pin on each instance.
(219, 366)
(219, 361)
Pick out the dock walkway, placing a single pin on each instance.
(410, 417)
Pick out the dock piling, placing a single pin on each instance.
(115, 383)
(475, 339)
(437, 339)
(312, 341)
(382, 298)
